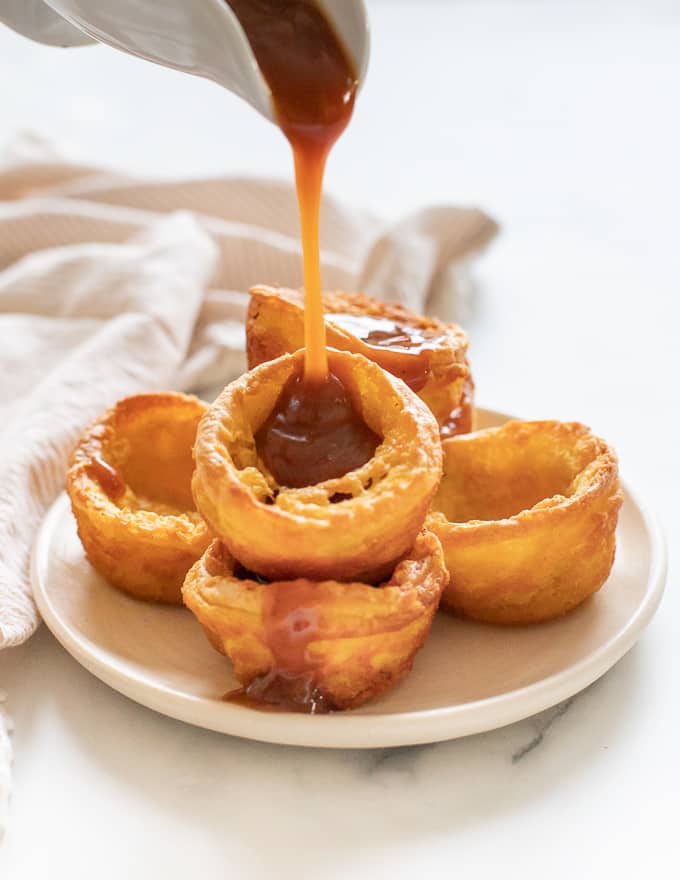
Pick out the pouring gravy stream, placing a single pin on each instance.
(314, 432)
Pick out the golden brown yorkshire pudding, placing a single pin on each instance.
(317, 645)
(129, 482)
(353, 527)
(526, 514)
(429, 355)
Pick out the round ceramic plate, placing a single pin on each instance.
(468, 677)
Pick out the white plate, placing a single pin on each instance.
(468, 678)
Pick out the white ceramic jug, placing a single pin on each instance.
(202, 37)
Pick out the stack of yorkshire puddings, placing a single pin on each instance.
(321, 595)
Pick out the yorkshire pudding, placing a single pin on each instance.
(354, 527)
(429, 355)
(317, 645)
(129, 482)
(526, 514)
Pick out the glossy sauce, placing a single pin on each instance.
(111, 482)
(460, 420)
(291, 624)
(314, 434)
(400, 348)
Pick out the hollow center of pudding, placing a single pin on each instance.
(156, 463)
(314, 433)
(400, 348)
(493, 482)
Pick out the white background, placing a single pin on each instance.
(561, 120)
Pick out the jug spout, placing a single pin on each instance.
(203, 37)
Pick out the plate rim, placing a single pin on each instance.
(347, 730)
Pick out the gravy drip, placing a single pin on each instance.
(291, 624)
(111, 482)
(314, 434)
(400, 348)
(460, 420)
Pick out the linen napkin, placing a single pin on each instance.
(111, 285)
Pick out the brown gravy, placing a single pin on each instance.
(314, 434)
(400, 348)
(291, 624)
(107, 476)
(460, 421)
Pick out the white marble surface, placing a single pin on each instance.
(561, 119)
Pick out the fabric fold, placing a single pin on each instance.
(81, 327)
